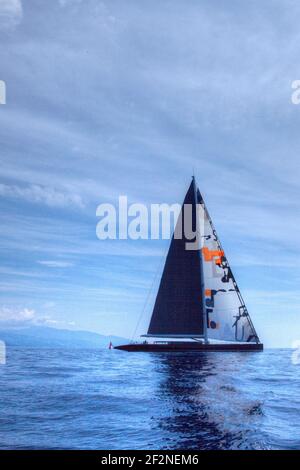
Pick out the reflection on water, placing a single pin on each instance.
(117, 400)
(196, 389)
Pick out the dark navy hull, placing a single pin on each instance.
(189, 346)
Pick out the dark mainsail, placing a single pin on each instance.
(178, 308)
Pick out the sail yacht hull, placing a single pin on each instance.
(189, 346)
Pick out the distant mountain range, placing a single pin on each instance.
(45, 337)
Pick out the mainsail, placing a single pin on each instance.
(198, 296)
(179, 306)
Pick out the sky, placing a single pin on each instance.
(129, 98)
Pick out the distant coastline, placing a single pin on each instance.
(46, 337)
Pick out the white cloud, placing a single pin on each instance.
(11, 13)
(25, 315)
(41, 195)
(55, 264)
(64, 3)
(12, 317)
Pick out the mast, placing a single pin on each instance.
(201, 270)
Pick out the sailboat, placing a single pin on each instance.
(199, 306)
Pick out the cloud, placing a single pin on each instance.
(11, 13)
(64, 3)
(41, 195)
(56, 264)
(13, 317)
(8, 315)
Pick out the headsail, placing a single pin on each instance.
(179, 305)
(227, 316)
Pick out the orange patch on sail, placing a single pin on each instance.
(212, 255)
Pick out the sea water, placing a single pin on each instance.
(109, 399)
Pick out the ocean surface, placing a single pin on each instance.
(109, 399)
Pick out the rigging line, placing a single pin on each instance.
(221, 309)
(158, 269)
